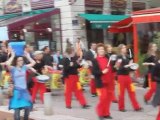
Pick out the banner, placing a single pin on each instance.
(12, 6)
(26, 6)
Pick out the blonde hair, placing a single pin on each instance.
(150, 51)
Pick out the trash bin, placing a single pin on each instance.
(48, 106)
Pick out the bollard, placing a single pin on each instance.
(1, 97)
(48, 107)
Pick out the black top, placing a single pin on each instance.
(39, 66)
(89, 55)
(48, 60)
(70, 70)
(3, 57)
(156, 73)
(151, 59)
(125, 61)
(97, 74)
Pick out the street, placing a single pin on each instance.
(77, 113)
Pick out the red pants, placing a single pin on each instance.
(92, 87)
(152, 88)
(125, 82)
(114, 98)
(105, 99)
(72, 85)
(38, 87)
(158, 116)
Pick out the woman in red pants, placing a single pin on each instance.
(156, 77)
(71, 79)
(109, 55)
(102, 71)
(150, 62)
(123, 64)
(39, 67)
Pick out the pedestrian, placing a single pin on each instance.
(47, 58)
(150, 63)
(102, 71)
(20, 97)
(110, 56)
(156, 78)
(40, 68)
(90, 55)
(71, 79)
(123, 65)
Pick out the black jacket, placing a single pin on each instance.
(156, 73)
(97, 73)
(89, 55)
(70, 70)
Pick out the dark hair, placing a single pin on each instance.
(100, 45)
(25, 46)
(92, 43)
(14, 63)
(45, 48)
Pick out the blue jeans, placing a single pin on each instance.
(17, 114)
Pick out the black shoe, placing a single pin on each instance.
(123, 110)
(94, 95)
(139, 109)
(108, 117)
(68, 107)
(86, 106)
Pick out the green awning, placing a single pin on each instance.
(101, 21)
(33, 12)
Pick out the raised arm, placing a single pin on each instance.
(32, 62)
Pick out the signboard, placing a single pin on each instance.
(37, 4)
(11, 6)
(4, 34)
(26, 6)
(99, 25)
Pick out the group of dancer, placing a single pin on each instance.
(104, 69)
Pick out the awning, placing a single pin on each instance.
(100, 21)
(129, 25)
(18, 19)
(143, 16)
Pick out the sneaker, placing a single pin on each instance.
(123, 110)
(108, 117)
(86, 106)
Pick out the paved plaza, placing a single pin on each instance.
(77, 113)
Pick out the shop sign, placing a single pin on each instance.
(99, 25)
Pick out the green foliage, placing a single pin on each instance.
(142, 69)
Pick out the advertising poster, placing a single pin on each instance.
(12, 6)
